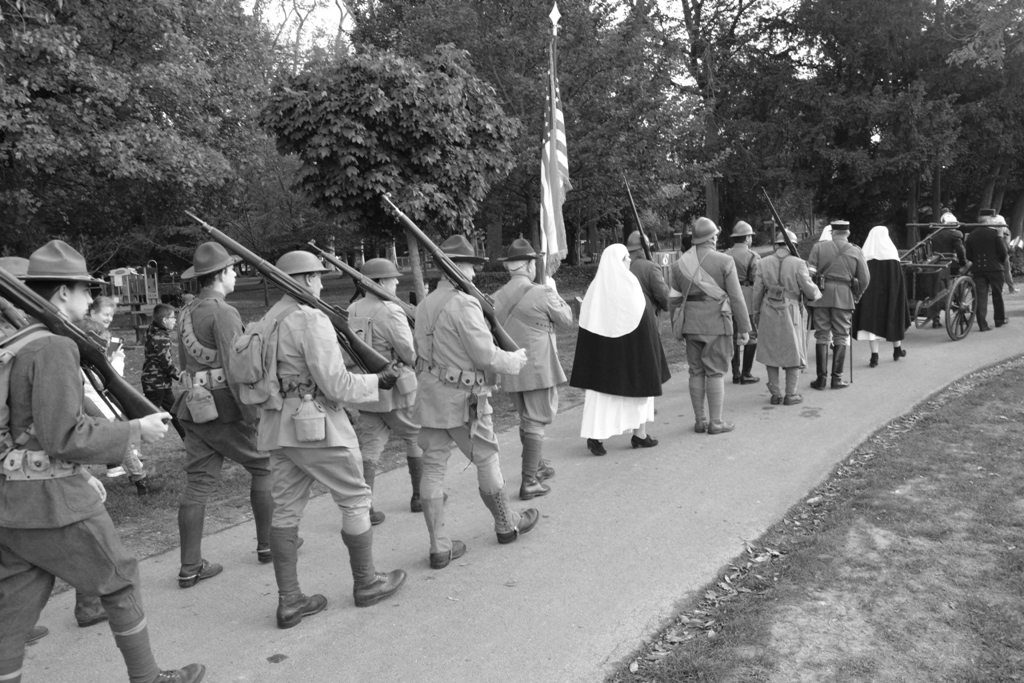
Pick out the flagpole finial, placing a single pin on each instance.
(555, 16)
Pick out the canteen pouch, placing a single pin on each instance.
(676, 316)
(201, 404)
(310, 421)
(407, 383)
(855, 287)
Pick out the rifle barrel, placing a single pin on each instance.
(778, 221)
(366, 283)
(639, 225)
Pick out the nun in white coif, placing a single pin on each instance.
(882, 312)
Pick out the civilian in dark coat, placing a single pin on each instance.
(986, 250)
(882, 311)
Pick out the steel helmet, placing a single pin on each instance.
(300, 262)
(379, 269)
(781, 239)
(742, 229)
(704, 230)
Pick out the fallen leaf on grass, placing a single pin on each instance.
(634, 666)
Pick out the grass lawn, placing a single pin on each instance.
(906, 565)
(148, 525)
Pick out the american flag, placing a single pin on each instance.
(554, 163)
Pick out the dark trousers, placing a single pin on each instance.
(164, 399)
(990, 281)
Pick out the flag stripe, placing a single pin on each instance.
(554, 168)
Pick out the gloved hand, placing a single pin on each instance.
(97, 485)
(519, 359)
(387, 377)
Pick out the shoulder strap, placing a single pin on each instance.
(9, 349)
(442, 303)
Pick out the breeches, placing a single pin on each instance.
(536, 408)
(373, 430)
(340, 470)
(478, 444)
(87, 554)
(206, 447)
(832, 325)
(709, 354)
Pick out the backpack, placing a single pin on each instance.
(9, 348)
(252, 365)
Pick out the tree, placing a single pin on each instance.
(373, 123)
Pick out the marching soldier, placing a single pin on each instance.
(310, 438)
(746, 268)
(705, 284)
(52, 519)
(842, 275)
(532, 314)
(217, 425)
(391, 335)
(652, 281)
(455, 349)
(780, 286)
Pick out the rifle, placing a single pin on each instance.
(639, 225)
(452, 272)
(362, 353)
(778, 221)
(366, 283)
(12, 314)
(130, 400)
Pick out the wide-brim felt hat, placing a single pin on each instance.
(15, 265)
(521, 250)
(379, 269)
(58, 261)
(458, 249)
(210, 257)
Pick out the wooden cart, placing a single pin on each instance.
(935, 284)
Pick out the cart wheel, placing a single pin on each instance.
(922, 317)
(960, 308)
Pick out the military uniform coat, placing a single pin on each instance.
(781, 283)
(706, 317)
(841, 269)
(392, 338)
(652, 283)
(746, 269)
(452, 335)
(532, 314)
(309, 362)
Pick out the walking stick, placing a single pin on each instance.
(850, 345)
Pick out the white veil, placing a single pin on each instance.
(614, 302)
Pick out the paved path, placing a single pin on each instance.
(624, 540)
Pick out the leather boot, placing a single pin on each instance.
(748, 363)
(370, 474)
(544, 469)
(292, 605)
(736, 373)
(262, 503)
(821, 363)
(508, 524)
(838, 358)
(698, 386)
(369, 586)
(416, 476)
(531, 486)
(148, 485)
(190, 529)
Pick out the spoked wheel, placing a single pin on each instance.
(960, 308)
(922, 314)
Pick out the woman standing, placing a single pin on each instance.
(619, 359)
(882, 311)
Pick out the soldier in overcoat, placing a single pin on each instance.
(209, 326)
(781, 287)
(706, 290)
(532, 314)
(652, 280)
(391, 336)
(842, 275)
(309, 438)
(457, 364)
(746, 269)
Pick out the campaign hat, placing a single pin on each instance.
(300, 263)
(210, 257)
(520, 250)
(704, 230)
(379, 269)
(742, 229)
(458, 249)
(15, 265)
(58, 261)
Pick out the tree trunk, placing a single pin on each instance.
(417, 267)
(592, 239)
(990, 187)
(1004, 177)
(937, 194)
(1016, 222)
(912, 233)
(494, 236)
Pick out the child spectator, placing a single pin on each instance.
(158, 370)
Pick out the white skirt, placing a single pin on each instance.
(605, 415)
(864, 335)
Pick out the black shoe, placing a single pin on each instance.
(936, 324)
(776, 400)
(147, 485)
(207, 570)
(193, 673)
(596, 447)
(382, 585)
(898, 352)
(646, 442)
(736, 379)
(533, 488)
(38, 633)
(545, 471)
(442, 560)
(874, 361)
(291, 611)
(528, 521)
(414, 503)
(376, 517)
(720, 427)
(792, 399)
(749, 379)
(1000, 323)
(92, 622)
(983, 327)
